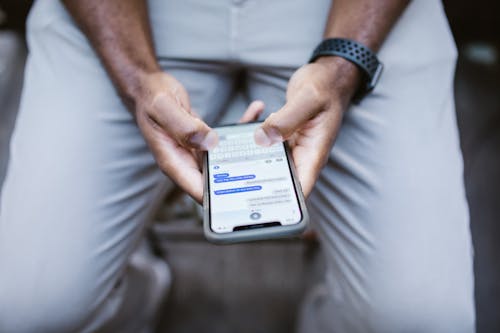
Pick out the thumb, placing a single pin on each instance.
(281, 125)
(188, 130)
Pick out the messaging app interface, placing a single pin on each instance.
(249, 184)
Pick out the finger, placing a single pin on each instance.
(307, 175)
(191, 181)
(187, 177)
(180, 165)
(175, 161)
(307, 178)
(305, 165)
(311, 153)
(292, 116)
(253, 112)
(188, 130)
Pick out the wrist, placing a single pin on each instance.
(134, 85)
(345, 77)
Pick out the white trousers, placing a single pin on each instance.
(389, 206)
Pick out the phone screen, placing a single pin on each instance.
(249, 186)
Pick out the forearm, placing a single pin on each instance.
(120, 33)
(365, 21)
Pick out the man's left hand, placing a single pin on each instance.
(316, 98)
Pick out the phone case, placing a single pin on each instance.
(254, 234)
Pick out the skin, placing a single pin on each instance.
(317, 95)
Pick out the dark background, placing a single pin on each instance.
(281, 275)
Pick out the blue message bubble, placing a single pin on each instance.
(233, 179)
(238, 190)
(221, 175)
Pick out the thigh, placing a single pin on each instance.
(390, 205)
(81, 182)
(79, 187)
(392, 216)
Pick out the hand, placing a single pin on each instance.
(317, 95)
(173, 132)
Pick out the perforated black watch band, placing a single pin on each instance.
(356, 53)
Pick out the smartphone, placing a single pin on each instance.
(251, 192)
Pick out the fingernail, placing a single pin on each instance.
(206, 142)
(268, 138)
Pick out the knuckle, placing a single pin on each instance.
(160, 102)
(186, 136)
(273, 122)
(287, 122)
(191, 133)
(314, 93)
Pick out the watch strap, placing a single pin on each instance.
(356, 53)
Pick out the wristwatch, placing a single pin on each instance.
(358, 54)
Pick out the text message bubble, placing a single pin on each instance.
(238, 190)
(221, 175)
(279, 196)
(267, 180)
(233, 179)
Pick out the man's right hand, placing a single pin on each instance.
(174, 134)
